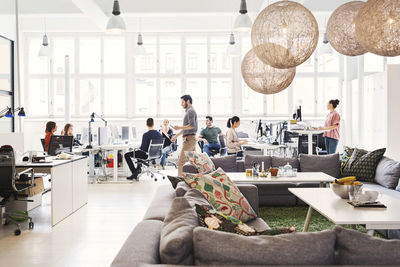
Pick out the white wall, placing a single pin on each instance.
(393, 112)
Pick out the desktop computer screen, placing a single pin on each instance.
(114, 132)
(103, 136)
(134, 134)
(85, 136)
(125, 133)
(59, 144)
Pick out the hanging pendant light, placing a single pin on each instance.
(45, 51)
(325, 49)
(233, 49)
(116, 23)
(140, 50)
(243, 22)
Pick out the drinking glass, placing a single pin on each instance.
(354, 193)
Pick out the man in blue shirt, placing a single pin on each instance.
(151, 134)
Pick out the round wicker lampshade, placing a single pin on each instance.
(378, 27)
(341, 30)
(284, 35)
(263, 78)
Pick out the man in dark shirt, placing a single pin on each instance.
(151, 134)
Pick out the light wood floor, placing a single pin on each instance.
(92, 236)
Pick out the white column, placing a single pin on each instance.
(67, 108)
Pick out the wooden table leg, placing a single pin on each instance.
(370, 232)
(308, 218)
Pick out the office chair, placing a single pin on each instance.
(321, 148)
(174, 148)
(303, 144)
(213, 151)
(11, 184)
(154, 152)
(43, 144)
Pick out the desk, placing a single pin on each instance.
(69, 184)
(264, 146)
(310, 135)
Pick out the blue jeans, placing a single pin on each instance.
(207, 147)
(331, 145)
(164, 156)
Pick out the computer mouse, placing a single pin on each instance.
(25, 158)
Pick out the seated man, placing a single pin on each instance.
(142, 152)
(209, 136)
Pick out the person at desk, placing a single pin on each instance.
(233, 143)
(69, 130)
(332, 127)
(167, 134)
(51, 128)
(209, 136)
(142, 152)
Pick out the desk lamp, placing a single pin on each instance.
(92, 116)
(9, 113)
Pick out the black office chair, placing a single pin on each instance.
(321, 148)
(303, 144)
(155, 152)
(11, 185)
(213, 151)
(43, 144)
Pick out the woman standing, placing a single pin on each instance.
(332, 127)
(233, 143)
(51, 128)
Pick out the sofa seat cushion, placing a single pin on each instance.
(280, 162)
(141, 246)
(214, 247)
(355, 248)
(249, 161)
(227, 163)
(201, 161)
(381, 189)
(161, 203)
(329, 164)
(388, 173)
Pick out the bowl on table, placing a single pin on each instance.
(343, 190)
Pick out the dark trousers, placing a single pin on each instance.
(137, 154)
(331, 145)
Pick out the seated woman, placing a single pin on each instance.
(69, 130)
(51, 128)
(167, 134)
(233, 143)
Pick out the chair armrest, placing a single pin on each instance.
(250, 192)
(18, 175)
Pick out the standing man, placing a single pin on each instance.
(188, 130)
(209, 136)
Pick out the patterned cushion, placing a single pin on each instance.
(355, 156)
(347, 152)
(222, 193)
(201, 161)
(364, 167)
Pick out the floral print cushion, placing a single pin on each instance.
(201, 161)
(222, 194)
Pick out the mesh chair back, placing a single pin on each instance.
(7, 169)
(155, 149)
(43, 144)
(222, 141)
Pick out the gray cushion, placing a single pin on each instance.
(189, 168)
(398, 186)
(161, 203)
(141, 246)
(177, 233)
(227, 163)
(215, 247)
(258, 224)
(329, 164)
(194, 196)
(354, 247)
(279, 162)
(388, 173)
(249, 160)
(181, 189)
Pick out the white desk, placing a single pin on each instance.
(310, 135)
(69, 184)
(264, 146)
(338, 211)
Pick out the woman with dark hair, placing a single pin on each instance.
(233, 144)
(332, 127)
(51, 128)
(69, 130)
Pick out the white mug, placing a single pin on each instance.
(372, 195)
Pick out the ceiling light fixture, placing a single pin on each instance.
(116, 23)
(45, 51)
(325, 49)
(140, 49)
(233, 48)
(243, 22)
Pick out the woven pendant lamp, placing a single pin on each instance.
(341, 29)
(378, 27)
(263, 78)
(285, 34)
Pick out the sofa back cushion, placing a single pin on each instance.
(227, 163)
(280, 162)
(220, 248)
(249, 160)
(181, 189)
(388, 173)
(355, 248)
(201, 161)
(329, 164)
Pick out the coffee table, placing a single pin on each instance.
(301, 177)
(339, 212)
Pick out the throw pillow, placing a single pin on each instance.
(201, 161)
(223, 194)
(355, 156)
(355, 248)
(365, 167)
(175, 180)
(249, 161)
(181, 189)
(329, 164)
(227, 163)
(388, 173)
(221, 248)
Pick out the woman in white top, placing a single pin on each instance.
(233, 143)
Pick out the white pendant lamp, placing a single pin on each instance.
(325, 49)
(45, 52)
(140, 50)
(233, 49)
(243, 22)
(116, 23)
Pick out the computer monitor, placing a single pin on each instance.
(297, 114)
(85, 136)
(59, 144)
(103, 136)
(114, 132)
(134, 134)
(125, 133)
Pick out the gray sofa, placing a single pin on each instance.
(169, 234)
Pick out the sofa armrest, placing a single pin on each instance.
(250, 192)
(189, 168)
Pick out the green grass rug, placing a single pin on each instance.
(278, 217)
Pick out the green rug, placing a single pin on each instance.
(278, 217)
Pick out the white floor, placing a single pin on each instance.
(92, 236)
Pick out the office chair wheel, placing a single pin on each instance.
(31, 224)
(155, 179)
(17, 232)
(163, 177)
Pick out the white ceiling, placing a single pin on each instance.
(155, 6)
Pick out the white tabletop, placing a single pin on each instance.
(53, 162)
(312, 177)
(339, 211)
(310, 131)
(263, 146)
